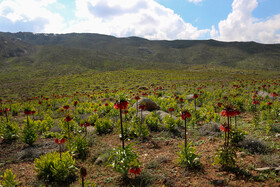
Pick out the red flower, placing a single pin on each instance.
(106, 104)
(255, 102)
(27, 112)
(135, 171)
(171, 109)
(75, 103)
(219, 104)
(125, 111)
(142, 107)
(185, 114)
(224, 128)
(137, 98)
(33, 112)
(228, 111)
(68, 118)
(181, 100)
(122, 105)
(6, 110)
(269, 103)
(274, 94)
(195, 96)
(40, 102)
(66, 107)
(59, 141)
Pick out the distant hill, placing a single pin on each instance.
(102, 52)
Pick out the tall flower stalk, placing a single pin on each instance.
(121, 105)
(184, 115)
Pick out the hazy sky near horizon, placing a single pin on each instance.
(225, 20)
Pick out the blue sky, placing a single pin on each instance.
(225, 20)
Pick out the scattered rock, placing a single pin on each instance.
(162, 114)
(254, 145)
(210, 129)
(150, 105)
(100, 160)
(144, 114)
(56, 129)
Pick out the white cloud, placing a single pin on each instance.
(144, 18)
(29, 15)
(240, 25)
(195, 1)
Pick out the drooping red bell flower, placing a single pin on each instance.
(122, 105)
(76, 103)
(40, 102)
(224, 127)
(68, 118)
(27, 112)
(33, 112)
(86, 124)
(228, 111)
(181, 100)
(6, 110)
(136, 170)
(274, 94)
(137, 98)
(106, 104)
(255, 102)
(219, 104)
(171, 109)
(269, 103)
(66, 107)
(185, 114)
(59, 141)
(142, 107)
(195, 96)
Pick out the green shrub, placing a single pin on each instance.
(237, 136)
(123, 159)
(51, 169)
(104, 126)
(81, 147)
(226, 156)
(187, 157)
(152, 121)
(9, 131)
(29, 134)
(8, 179)
(170, 123)
(45, 125)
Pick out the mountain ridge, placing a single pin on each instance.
(132, 51)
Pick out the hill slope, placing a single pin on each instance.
(101, 52)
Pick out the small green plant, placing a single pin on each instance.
(187, 157)
(152, 121)
(51, 169)
(226, 156)
(123, 159)
(8, 179)
(9, 131)
(237, 135)
(81, 146)
(104, 126)
(29, 134)
(169, 123)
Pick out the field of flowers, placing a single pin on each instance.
(141, 128)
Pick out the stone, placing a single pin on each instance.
(150, 105)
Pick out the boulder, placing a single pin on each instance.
(162, 114)
(150, 105)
